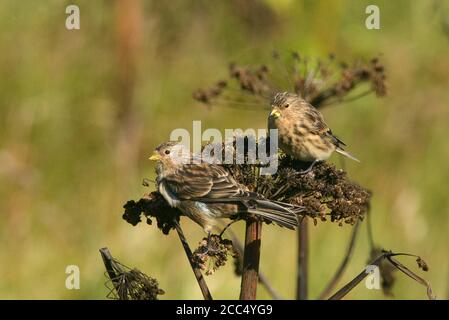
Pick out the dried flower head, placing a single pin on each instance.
(135, 285)
(152, 205)
(325, 192)
(422, 264)
(318, 82)
(128, 284)
(212, 255)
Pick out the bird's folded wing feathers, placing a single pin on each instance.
(196, 181)
(315, 118)
(320, 127)
(335, 140)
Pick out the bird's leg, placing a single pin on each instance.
(225, 228)
(209, 248)
(310, 167)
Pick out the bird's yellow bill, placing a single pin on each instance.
(275, 113)
(155, 157)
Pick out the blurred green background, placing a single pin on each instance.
(81, 110)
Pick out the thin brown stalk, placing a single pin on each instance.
(109, 265)
(354, 282)
(303, 257)
(350, 250)
(251, 258)
(196, 271)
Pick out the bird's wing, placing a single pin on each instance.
(319, 126)
(202, 181)
(316, 120)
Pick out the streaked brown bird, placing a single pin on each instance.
(207, 192)
(302, 132)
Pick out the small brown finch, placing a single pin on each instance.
(302, 132)
(207, 192)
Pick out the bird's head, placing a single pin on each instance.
(168, 153)
(284, 104)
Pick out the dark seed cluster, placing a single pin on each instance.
(422, 264)
(152, 205)
(325, 192)
(209, 257)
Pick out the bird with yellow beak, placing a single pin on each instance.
(208, 192)
(302, 132)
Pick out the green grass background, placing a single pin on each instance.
(64, 175)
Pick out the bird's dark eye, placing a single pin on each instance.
(286, 105)
(167, 151)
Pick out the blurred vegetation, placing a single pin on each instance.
(81, 110)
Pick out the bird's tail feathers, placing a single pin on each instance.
(347, 154)
(283, 214)
(289, 222)
(290, 207)
(273, 205)
(276, 213)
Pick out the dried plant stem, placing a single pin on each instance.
(108, 263)
(262, 278)
(354, 282)
(303, 257)
(331, 286)
(197, 272)
(388, 256)
(251, 258)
